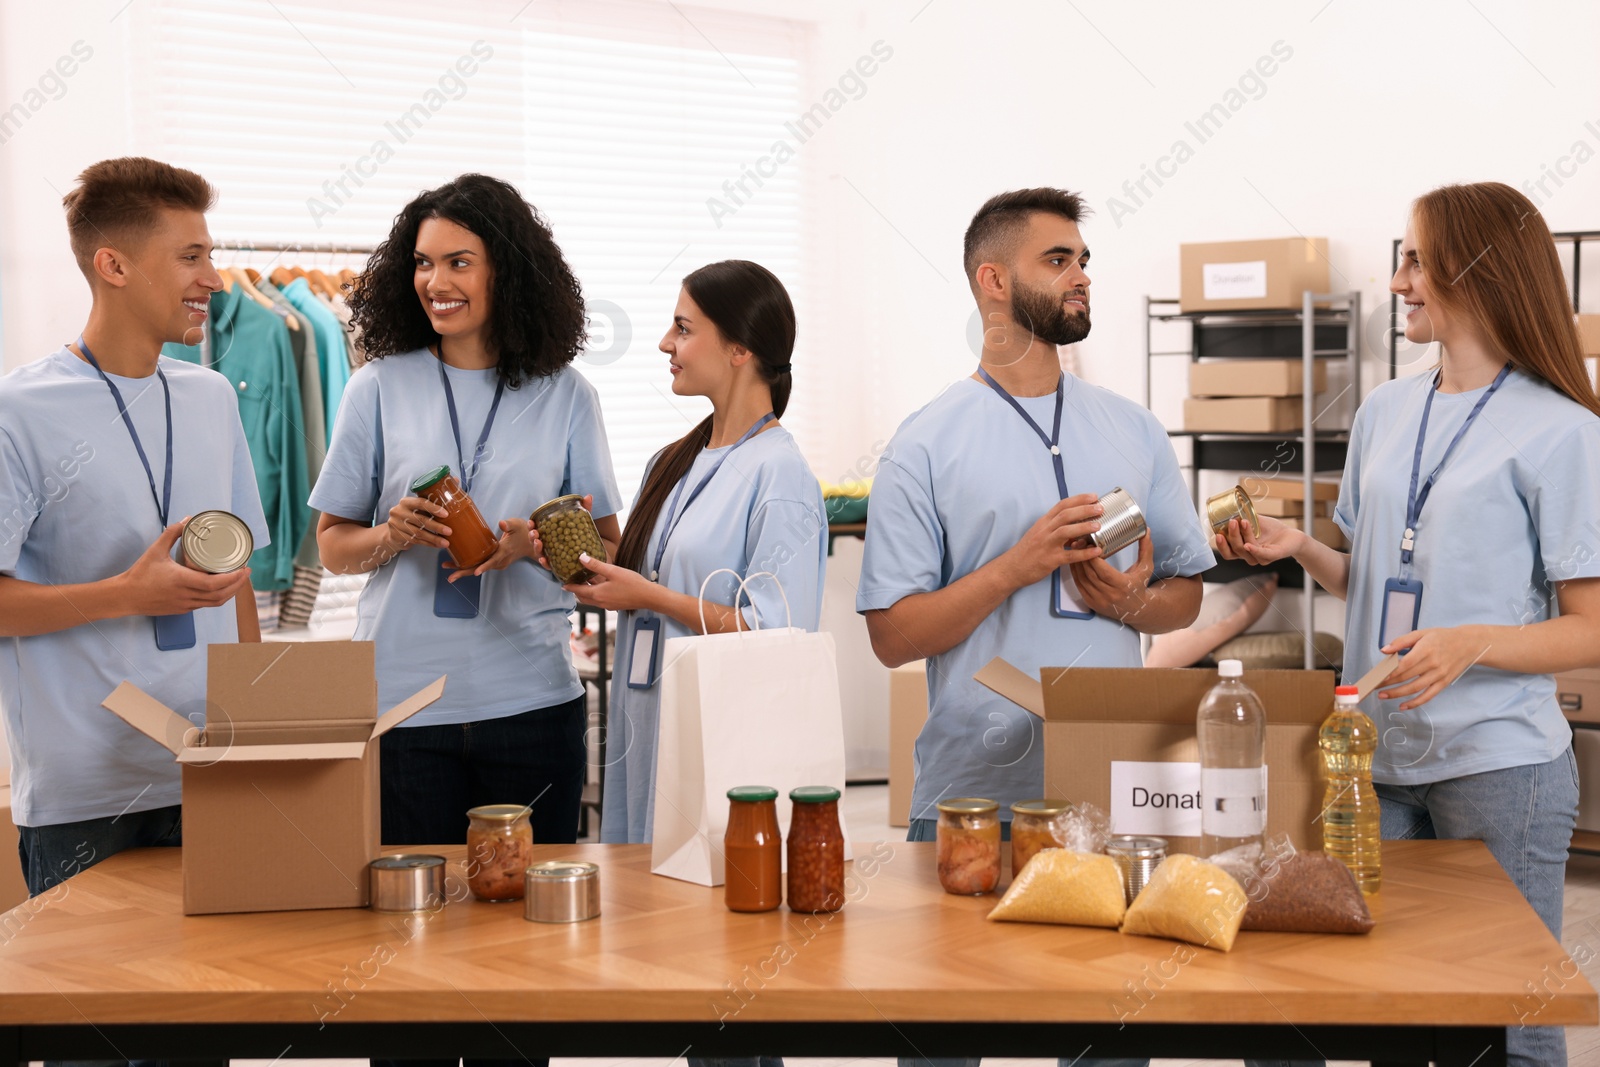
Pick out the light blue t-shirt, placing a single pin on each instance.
(962, 481)
(761, 512)
(330, 345)
(548, 440)
(1517, 507)
(75, 507)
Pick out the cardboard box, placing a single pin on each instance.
(1586, 750)
(1255, 377)
(908, 711)
(1579, 694)
(1130, 724)
(1240, 275)
(1324, 530)
(13, 887)
(1248, 414)
(1589, 334)
(1280, 508)
(1287, 487)
(280, 789)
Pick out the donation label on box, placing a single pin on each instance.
(1161, 798)
(1236, 281)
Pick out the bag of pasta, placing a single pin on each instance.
(1061, 886)
(1188, 899)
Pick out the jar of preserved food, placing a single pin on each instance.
(499, 850)
(568, 531)
(471, 539)
(969, 845)
(1035, 825)
(816, 850)
(753, 850)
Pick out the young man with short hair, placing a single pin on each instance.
(106, 448)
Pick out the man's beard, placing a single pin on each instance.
(1044, 314)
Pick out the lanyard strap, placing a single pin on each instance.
(1419, 497)
(1053, 441)
(674, 515)
(469, 473)
(164, 501)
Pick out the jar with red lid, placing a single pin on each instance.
(752, 849)
(816, 850)
(471, 539)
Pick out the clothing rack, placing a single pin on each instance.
(318, 247)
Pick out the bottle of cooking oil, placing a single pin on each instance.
(1350, 808)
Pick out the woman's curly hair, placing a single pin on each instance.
(537, 323)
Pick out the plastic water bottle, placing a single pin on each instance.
(1232, 727)
(1350, 809)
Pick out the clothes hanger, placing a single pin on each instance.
(255, 294)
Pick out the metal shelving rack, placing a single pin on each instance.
(1320, 450)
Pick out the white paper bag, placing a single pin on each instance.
(757, 707)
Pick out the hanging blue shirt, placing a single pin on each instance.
(548, 440)
(1516, 508)
(75, 506)
(330, 345)
(962, 481)
(762, 512)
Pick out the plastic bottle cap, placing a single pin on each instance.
(1346, 691)
(1230, 668)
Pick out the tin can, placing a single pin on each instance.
(408, 881)
(1137, 857)
(217, 542)
(561, 891)
(1120, 526)
(1230, 504)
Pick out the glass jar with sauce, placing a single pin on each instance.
(969, 845)
(1036, 825)
(471, 539)
(816, 850)
(568, 531)
(499, 850)
(753, 850)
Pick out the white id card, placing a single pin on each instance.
(1065, 602)
(646, 651)
(1402, 607)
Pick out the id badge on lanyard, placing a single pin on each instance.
(645, 662)
(1065, 602)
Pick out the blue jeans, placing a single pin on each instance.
(431, 775)
(1525, 815)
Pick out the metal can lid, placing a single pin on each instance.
(217, 542)
(1135, 846)
(500, 812)
(813, 794)
(1041, 807)
(752, 794)
(555, 505)
(433, 477)
(561, 871)
(969, 805)
(406, 861)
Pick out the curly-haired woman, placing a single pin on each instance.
(470, 317)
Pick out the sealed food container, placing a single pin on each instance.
(499, 849)
(408, 881)
(1229, 504)
(561, 891)
(568, 531)
(1138, 857)
(969, 845)
(471, 539)
(1036, 825)
(753, 879)
(816, 850)
(216, 542)
(1121, 524)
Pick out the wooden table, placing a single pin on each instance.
(106, 966)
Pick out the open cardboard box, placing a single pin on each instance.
(280, 788)
(1120, 738)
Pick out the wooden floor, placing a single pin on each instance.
(865, 812)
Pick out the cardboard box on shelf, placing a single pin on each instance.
(1287, 487)
(1244, 275)
(1280, 508)
(1255, 377)
(1589, 334)
(1123, 739)
(280, 789)
(1324, 530)
(1246, 414)
(908, 711)
(1579, 694)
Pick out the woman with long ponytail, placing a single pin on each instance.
(734, 492)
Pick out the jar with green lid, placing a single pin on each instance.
(1036, 825)
(471, 540)
(969, 845)
(568, 531)
(816, 850)
(753, 850)
(499, 849)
